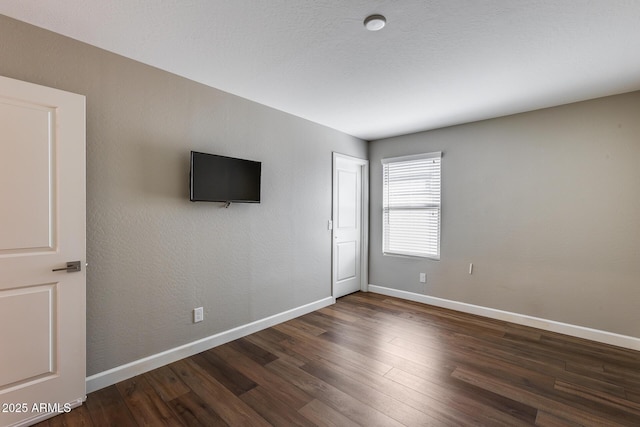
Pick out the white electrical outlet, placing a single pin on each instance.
(423, 277)
(198, 315)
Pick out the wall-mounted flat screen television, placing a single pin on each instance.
(216, 178)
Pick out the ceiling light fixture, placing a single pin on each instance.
(375, 22)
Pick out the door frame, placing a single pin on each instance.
(364, 220)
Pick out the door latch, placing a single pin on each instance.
(72, 266)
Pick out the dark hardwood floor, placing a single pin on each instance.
(373, 360)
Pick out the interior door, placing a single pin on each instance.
(349, 257)
(42, 227)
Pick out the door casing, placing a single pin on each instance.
(364, 221)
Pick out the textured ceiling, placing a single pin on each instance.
(436, 63)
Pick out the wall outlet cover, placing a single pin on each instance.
(198, 315)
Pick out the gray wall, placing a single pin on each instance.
(545, 204)
(153, 255)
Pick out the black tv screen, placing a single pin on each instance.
(216, 178)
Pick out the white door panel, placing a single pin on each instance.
(26, 185)
(42, 227)
(32, 352)
(347, 260)
(347, 199)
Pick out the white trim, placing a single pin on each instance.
(140, 366)
(358, 160)
(364, 251)
(364, 220)
(434, 155)
(605, 337)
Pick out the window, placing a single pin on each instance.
(411, 205)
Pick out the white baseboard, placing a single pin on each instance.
(605, 337)
(137, 367)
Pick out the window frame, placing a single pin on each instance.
(386, 209)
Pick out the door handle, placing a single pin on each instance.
(72, 266)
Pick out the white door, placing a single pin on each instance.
(42, 227)
(350, 213)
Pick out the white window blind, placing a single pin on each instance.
(411, 205)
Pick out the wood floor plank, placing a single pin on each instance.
(325, 416)
(430, 316)
(545, 419)
(226, 404)
(597, 372)
(582, 348)
(439, 397)
(274, 410)
(195, 412)
(253, 351)
(349, 332)
(271, 335)
(292, 332)
(166, 383)
(509, 350)
(278, 349)
(307, 327)
(575, 413)
(145, 404)
(348, 366)
(492, 410)
(331, 312)
(526, 348)
(633, 395)
(107, 408)
(596, 397)
(226, 374)
(509, 371)
(631, 372)
(394, 407)
(316, 349)
(345, 404)
(286, 392)
(521, 333)
(79, 417)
